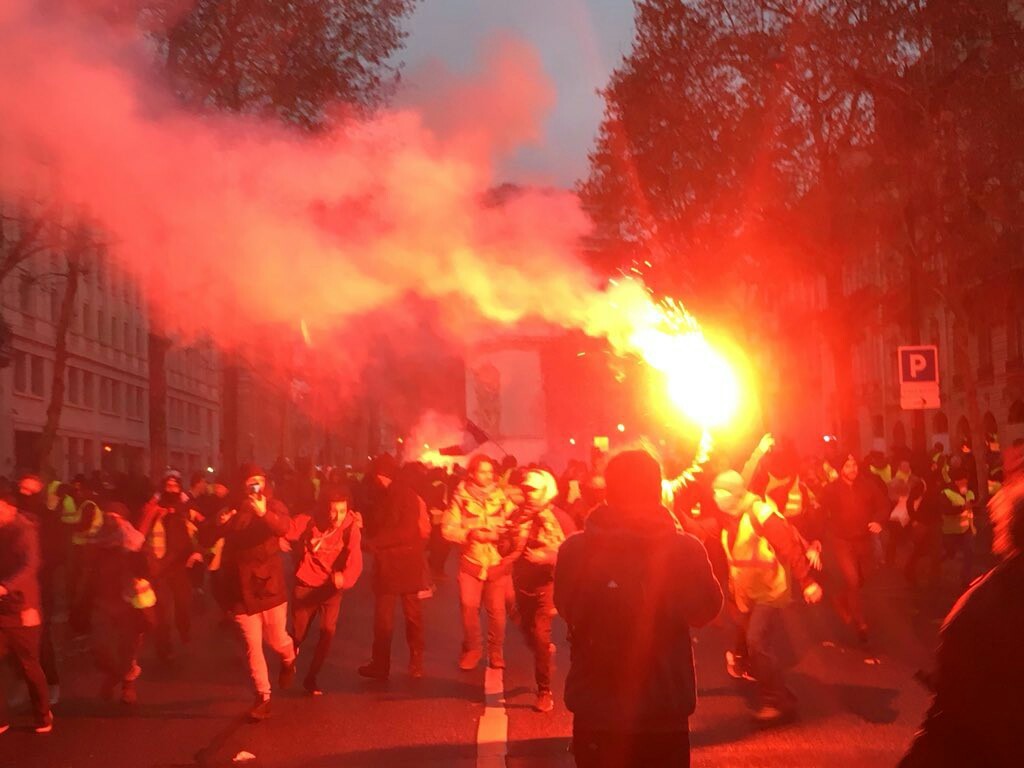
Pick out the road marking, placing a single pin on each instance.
(492, 733)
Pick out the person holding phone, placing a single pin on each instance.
(253, 589)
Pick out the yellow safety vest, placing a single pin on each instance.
(82, 537)
(755, 574)
(962, 522)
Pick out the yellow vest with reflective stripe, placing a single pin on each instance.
(755, 573)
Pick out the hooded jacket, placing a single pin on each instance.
(630, 587)
(474, 508)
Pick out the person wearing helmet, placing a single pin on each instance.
(542, 528)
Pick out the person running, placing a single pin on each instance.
(329, 562)
(542, 528)
(253, 586)
(855, 510)
(21, 609)
(764, 553)
(475, 520)
(398, 544)
(170, 551)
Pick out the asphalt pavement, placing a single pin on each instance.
(857, 707)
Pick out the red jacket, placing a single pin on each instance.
(321, 555)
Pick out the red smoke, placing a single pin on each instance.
(233, 224)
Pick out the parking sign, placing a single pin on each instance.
(919, 377)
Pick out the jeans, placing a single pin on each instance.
(173, 607)
(473, 592)
(849, 555)
(307, 603)
(267, 625)
(116, 640)
(384, 627)
(762, 632)
(535, 613)
(606, 749)
(24, 644)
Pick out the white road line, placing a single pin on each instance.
(492, 733)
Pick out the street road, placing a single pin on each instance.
(853, 712)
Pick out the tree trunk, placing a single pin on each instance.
(60, 364)
(158, 346)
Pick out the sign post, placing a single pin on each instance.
(919, 378)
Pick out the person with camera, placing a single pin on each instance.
(253, 588)
(475, 520)
(542, 528)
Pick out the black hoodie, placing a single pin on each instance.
(630, 587)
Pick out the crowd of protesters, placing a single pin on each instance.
(655, 558)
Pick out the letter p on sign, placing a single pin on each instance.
(918, 364)
(919, 377)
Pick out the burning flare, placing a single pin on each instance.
(701, 383)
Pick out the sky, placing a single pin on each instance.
(579, 43)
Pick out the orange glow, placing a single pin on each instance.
(702, 383)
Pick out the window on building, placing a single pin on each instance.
(193, 418)
(101, 327)
(20, 371)
(140, 402)
(25, 294)
(74, 385)
(88, 457)
(140, 347)
(88, 391)
(105, 394)
(126, 339)
(115, 397)
(36, 385)
(115, 328)
(209, 424)
(73, 457)
(87, 320)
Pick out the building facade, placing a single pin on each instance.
(105, 417)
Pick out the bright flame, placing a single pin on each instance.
(701, 382)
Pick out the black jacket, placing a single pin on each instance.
(397, 542)
(849, 507)
(630, 588)
(252, 570)
(977, 715)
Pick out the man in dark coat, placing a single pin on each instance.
(398, 543)
(856, 508)
(20, 609)
(253, 588)
(629, 587)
